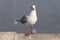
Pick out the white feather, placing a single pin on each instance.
(34, 30)
(15, 22)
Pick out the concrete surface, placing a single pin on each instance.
(20, 36)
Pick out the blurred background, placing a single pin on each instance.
(48, 12)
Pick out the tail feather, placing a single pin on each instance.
(17, 20)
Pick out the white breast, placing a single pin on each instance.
(32, 18)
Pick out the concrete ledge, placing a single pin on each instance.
(20, 36)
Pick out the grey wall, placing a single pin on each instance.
(48, 12)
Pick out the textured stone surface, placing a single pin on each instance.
(20, 36)
(6, 36)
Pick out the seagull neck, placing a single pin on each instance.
(33, 13)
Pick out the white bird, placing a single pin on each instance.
(29, 20)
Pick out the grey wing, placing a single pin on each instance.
(23, 19)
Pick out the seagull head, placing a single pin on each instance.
(33, 7)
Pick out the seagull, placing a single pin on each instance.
(29, 20)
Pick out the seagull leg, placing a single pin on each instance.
(31, 29)
(26, 32)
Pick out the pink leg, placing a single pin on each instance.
(31, 29)
(26, 31)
